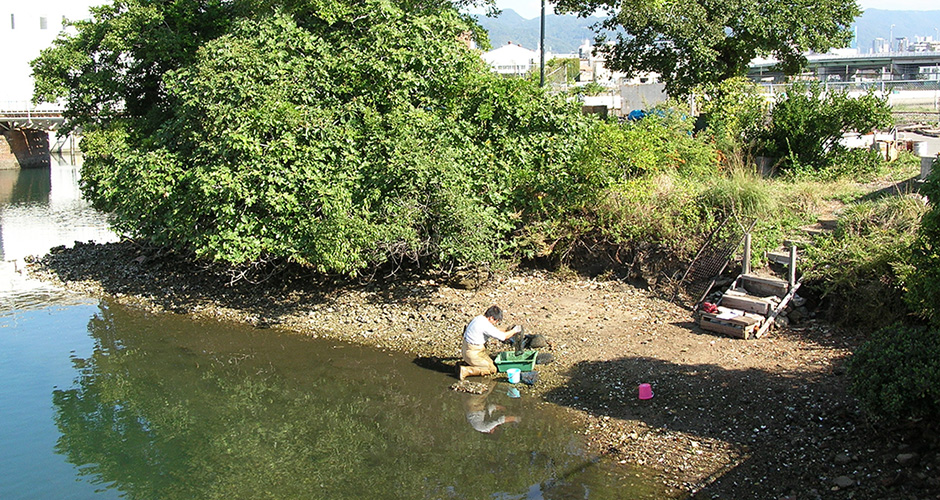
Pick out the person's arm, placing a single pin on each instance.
(498, 334)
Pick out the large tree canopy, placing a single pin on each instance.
(335, 134)
(689, 42)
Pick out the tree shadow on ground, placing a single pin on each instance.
(786, 427)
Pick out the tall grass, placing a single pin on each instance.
(858, 270)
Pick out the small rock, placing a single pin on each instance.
(842, 459)
(795, 316)
(844, 482)
(906, 458)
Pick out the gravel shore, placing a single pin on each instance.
(767, 418)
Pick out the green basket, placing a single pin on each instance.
(508, 359)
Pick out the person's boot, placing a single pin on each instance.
(469, 371)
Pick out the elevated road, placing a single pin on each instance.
(883, 66)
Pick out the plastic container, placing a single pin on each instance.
(508, 359)
(514, 375)
(646, 391)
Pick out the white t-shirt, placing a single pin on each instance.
(480, 328)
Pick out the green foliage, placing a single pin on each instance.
(589, 89)
(807, 123)
(859, 270)
(114, 64)
(338, 136)
(858, 164)
(661, 142)
(661, 209)
(734, 111)
(691, 42)
(923, 275)
(557, 71)
(896, 374)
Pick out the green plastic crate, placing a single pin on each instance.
(508, 359)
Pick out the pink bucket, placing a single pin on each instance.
(646, 391)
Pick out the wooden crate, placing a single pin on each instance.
(746, 303)
(763, 286)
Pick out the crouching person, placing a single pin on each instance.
(480, 328)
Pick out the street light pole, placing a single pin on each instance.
(542, 48)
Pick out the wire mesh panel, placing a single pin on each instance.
(710, 261)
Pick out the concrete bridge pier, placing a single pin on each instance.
(24, 148)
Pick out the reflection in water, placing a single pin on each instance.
(483, 416)
(41, 208)
(165, 408)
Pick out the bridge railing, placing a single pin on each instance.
(27, 108)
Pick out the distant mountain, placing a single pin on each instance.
(564, 34)
(876, 23)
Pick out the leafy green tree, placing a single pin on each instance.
(689, 42)
(336, 135)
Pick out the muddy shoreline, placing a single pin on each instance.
(767, 418)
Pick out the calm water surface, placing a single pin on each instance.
(101, 401)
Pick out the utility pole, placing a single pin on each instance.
(542, 48)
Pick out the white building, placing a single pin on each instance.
(512, 59)
(25, 29)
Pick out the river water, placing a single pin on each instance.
(102, 401)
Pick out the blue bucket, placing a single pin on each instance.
(513, 374)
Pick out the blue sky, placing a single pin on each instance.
(531, 8)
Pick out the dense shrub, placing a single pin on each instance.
(896, 373)
(807, 122)
(662, 142)
(923, 277)
(734, 113)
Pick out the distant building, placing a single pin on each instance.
(928, 73)
(901, 43)
(512, 59)
(25, 29)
